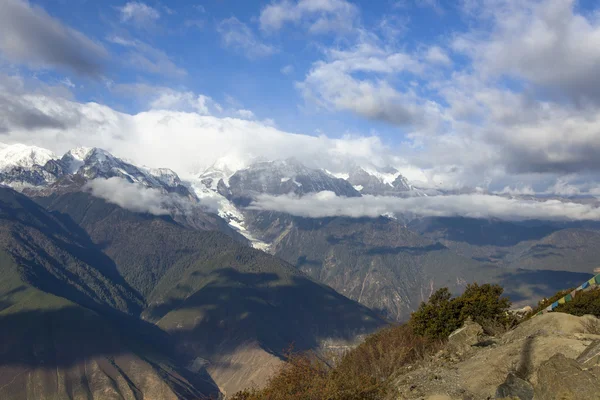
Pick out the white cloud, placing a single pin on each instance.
(128, 195)
(138, 13)
(165, 98)
(29, 35)
(30, 107)
(437, 55)
(546, 43)
(356, 80)
(185, 141)
(67, 82)
(146, 58)
(137, 198)
(327, 204)
(287, 70)
(320, 16)
(237, 35)
(246, 114)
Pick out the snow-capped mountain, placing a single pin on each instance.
(92, 163)
(20, 155)
(24, 166)
(225, 190)
(377, 183)
(285, 177)
(31, 167)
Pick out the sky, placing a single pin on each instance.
(502, 95)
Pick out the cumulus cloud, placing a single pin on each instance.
(178, 135)
(547, 43)
(33, 108)
(327, 204)
(334, 84)
(319, 16)
(138, 13)
(238, 36)
(29, 35)
(137, 198)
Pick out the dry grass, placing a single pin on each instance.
(362, 373)
(497, 328)
(591, 326)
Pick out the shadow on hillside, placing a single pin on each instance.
(69, 337)
(48, 270)
(541, 283)
(236, 308)
(415, 251)
(483, 232)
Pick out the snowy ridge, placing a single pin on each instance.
(20, 155)
(205, 187)
(223, 185)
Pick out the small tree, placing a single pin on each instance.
(442, 314)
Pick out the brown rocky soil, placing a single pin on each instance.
(477, 370)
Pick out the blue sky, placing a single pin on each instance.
(188, 34)
(496, 94)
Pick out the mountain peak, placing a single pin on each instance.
(24, 156)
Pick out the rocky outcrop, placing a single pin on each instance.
(562, 378)
(533, 361)
(515, 387)
(462, 340)
(591, 355)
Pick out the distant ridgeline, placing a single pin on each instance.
(588, 285)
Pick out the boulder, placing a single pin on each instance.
(591, 355)
(461, 340)
(515, 388)
(562, 378)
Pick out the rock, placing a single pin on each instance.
(591, 355)
(461, 340)
(562, 378)
(515, 387)
(521, 312)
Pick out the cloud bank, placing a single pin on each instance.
(327, 204)
(137, 198)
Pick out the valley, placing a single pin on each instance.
(186, 290)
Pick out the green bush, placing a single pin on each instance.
(587, 302)
(443, 314)
(542, 304)
(367, 371)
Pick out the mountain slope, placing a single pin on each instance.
(225, 306)
(374, 261)
(284, 177)
(567, 246)
(67, 329)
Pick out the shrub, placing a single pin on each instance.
(367, 371)
(362, 373)
(304, 376)
(442, 314)
(585, 302)
(542, 304)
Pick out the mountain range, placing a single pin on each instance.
(177, 287)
